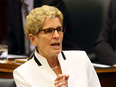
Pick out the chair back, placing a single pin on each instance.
(7, 83)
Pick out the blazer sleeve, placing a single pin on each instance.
(104, 47)
(19, 80)
(93, 79)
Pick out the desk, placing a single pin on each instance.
(106, 76)
(6, 70)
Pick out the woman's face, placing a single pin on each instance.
(49, 45)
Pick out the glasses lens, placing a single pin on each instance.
(60, 29)
(49, 30)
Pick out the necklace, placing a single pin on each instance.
(55, 67)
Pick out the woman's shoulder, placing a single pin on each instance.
(25, 65)
(75, 54)
(77, 57)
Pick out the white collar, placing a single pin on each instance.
(40, 60)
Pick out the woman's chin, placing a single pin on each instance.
(57, 51)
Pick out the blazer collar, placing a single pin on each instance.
(42, 59)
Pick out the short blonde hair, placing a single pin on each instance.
(34, 21)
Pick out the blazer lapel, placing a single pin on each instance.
(63, 63)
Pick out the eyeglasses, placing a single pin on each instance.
(50, 31)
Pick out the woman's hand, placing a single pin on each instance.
(61, 80)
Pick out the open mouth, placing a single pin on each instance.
(55, 44)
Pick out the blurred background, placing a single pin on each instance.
(87, 18)
(3, 19)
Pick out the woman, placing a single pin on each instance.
(50, 66)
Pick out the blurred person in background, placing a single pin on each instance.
(105, 46)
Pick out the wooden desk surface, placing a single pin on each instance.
(105, 70)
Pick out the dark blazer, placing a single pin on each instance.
(15, 34)
(105, 46)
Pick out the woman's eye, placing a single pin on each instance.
(59, 29)
(49, 31)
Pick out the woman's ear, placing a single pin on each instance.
(32, 39)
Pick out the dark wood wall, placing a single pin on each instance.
(3, 19)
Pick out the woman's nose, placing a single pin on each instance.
(56, 34)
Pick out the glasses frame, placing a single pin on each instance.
(63, 30)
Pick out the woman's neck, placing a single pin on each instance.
(55, 66)
(53, 62)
